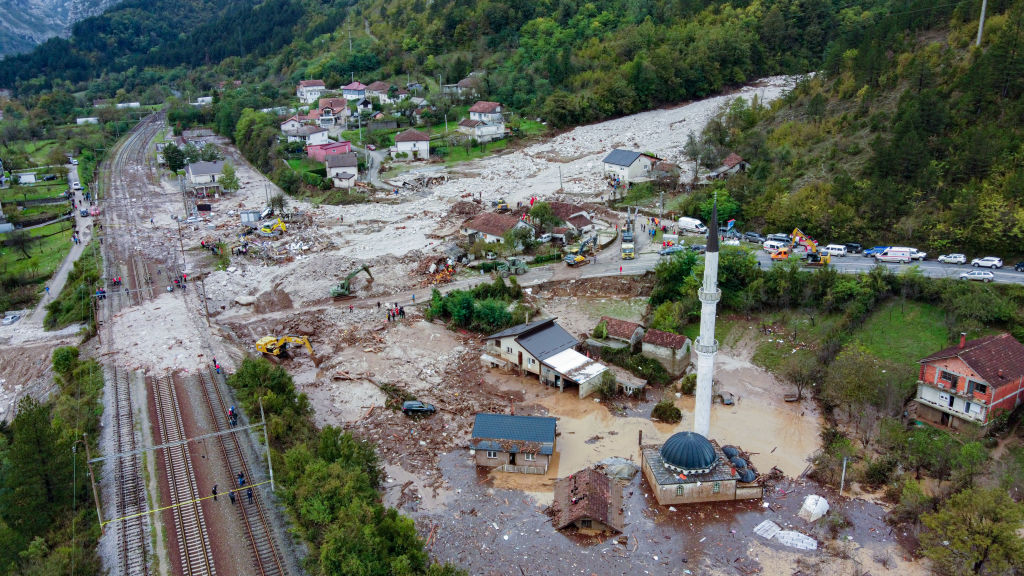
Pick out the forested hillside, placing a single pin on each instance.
(568, 60)
(912, 135)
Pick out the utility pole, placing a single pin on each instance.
(266, 441)
(981, 22)
(661, 211)
(560, 186)
(92, 479)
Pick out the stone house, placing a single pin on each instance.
(521, 444)
(291, 125)
(733, 164)
(485, 122)
(332, 112)
(204, 172)
(588, 500)
(308, 91)
(343, 169)
(412, 142)
(671, 350)
(627, 165)
(624, 331)
(971, 382)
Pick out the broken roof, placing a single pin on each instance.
(732, 160)
(621, 329)
(564, 210)
(999, 358)
(666, 339)
(580, 221)
(491, 223)
(575, 366)
(509, 433)
(588, 494)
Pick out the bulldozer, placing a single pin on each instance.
(343, 289)
(815, 259)
(273, 229)
(511, 266)
(500, 206)
(278, 347)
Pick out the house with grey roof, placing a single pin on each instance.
(343, 169)
(511, 443)
(627, 165)
(204, 172)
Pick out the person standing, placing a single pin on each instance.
(231, 495)
(214, 492)
(249, 494)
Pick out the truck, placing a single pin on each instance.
(692, 225)
(627, 250)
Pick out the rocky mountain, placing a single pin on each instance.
(27, 23)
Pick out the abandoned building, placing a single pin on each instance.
(629, 333)
(513, 443)
(671, 350)
(590, 501)
(970, 382)
(688, 468)
(545, 349)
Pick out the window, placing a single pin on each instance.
(586, 523)
(679, 489)
(492, 454)
(967, 407)
(529, 457)
(531, 361)
(716, 487)
(980, 388)
(948, 377)
(508, 349)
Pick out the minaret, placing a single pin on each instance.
(706, 345)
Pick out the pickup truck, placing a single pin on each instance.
(871, 252)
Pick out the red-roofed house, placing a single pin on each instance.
(485, 122)
(732, 164)
(354, 91)
(492, 227)
(671, 350)
(320, 152)
(309, 91)
(972, 381)
(333, 112)
(379, 90)
(623, 330)
(588, 500)
(413, 143)
(576, 217)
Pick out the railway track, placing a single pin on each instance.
(265, 555)
(130, 499)
(194, 549)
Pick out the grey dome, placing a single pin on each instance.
(689, 453)
(730, 451)
(747, 475)
(738, 462)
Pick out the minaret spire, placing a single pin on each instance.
(706, 345)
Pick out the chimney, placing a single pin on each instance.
(963, 339)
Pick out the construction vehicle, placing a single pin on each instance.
(511, 266)
(816, 259)
(576, 260)
(343, 289)
(500, 206)
(274, 346)
(274, 229)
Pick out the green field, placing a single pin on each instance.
(794, 332)
(37, 150)
(44, 190)
(904, 332)
(305, 165)
(46, 253)
(631, 309)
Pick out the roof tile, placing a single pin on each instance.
(666, 339)
(999, 358)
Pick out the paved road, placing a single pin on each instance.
(860, 264)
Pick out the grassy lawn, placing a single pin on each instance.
(46, 253)
(904, 332)
(304, 165)
(47, 190)
(795, 332)
(726, 331)
(37, 150)
(458, 154)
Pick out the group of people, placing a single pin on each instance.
(395, 312)
(231, 493)
(232, 415)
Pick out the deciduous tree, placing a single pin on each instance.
(975, 532)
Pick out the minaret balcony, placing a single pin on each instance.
(702, 348)
(712, 297)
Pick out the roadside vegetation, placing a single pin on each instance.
(74, 304)
(330, 480)
(48, 523)
(486, 308)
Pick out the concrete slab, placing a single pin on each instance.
(767, 529)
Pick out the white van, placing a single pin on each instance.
(895, 254)
(772, 246)
(834, 250)
(76, 185)
(692, 225)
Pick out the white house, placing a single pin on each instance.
(87, 120)
(309, 135)
(364, 105)
(333, 112)
(414, 143)
(491, 227)
(627, 165)
(204, 172)
(343, 169)
(291, 125)
(354, 91)
(379, 90)
(309, 91)
(203, 101)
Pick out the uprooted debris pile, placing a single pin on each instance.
(606, 286)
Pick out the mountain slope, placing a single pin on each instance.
(24, 24)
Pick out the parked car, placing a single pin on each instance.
(853, 248)
(871, 252)
(544, 238)
(754, 237)
(74, 162)
(11, 319)
(413, 407)
(978, 275)
(371, 147)
(50, 177)
(671, 250)
(1019, 266)
(698, 248)
(953, 259)
(834, 250)
(83, 213)
(987, 262)
(784, 238)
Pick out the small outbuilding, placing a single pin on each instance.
(589, 501)
(671, 350)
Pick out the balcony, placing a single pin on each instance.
(709, 296)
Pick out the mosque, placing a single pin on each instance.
(688, 467)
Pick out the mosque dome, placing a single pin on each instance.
(689, 453)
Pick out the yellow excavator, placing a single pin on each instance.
(274, 346)
(275, 229)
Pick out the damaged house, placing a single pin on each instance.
(588, 500)
(510, 443)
